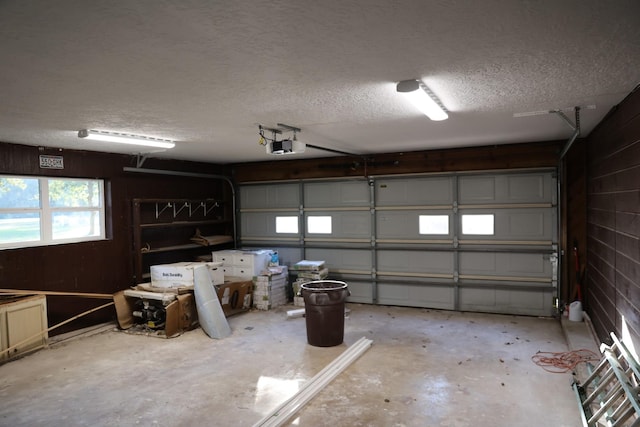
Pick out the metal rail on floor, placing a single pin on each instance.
(610, 395)
(287, 409)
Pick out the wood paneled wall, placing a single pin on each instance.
(100, 266)
(613, 221)
(574, 220)
(512, 156)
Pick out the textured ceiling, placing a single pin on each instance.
(205, 73)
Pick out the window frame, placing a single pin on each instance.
(47, 213)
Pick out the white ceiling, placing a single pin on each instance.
(206, 72)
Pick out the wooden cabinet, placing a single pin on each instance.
(174, 230)
(23, 325)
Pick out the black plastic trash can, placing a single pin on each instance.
(324, 311)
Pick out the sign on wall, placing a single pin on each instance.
(51, 162)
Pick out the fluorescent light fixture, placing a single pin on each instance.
(125, 138)
(420, 95)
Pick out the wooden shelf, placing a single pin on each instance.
(187, 246)
(184, 247)
(183, 223)
(178, 230)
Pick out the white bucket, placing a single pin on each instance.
(575, 311)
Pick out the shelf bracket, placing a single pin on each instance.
(206, 210)
(164, 208)
(213, 206)
(180, 209)
(198, 206)
(140, 158)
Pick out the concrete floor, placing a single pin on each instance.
(425, 368)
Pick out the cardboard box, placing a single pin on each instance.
(180, 274)
(235, 296)
(181, 315)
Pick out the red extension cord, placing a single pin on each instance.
(562, 362)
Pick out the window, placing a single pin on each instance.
(287, 224)
(477, 224)
(46, 211)
(319, 225)
(433, 224)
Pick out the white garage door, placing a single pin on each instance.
(472, 242)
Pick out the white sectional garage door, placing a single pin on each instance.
(472, 242)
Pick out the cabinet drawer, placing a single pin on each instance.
(225, 257)
(243, 272)
(244, 260)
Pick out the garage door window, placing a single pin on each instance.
(478, 224)
(319, 225)
(287, 224)
(433, 224)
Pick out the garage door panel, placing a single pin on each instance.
(332, 194)
(533, 224)
(511, 301)
(485, 298)
(258, 224)
(508, 264)
(440, 297)
(406, 225)
(272, 196)
(527, 188)
(414, 191)
(343, 259)
(478, 189)
(536, 264)
(356, 224)
(361, 292)
(345, 224)
(439, 262)
(509, 188)
(289, 256)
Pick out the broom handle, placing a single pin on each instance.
(70, 294)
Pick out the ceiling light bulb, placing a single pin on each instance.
(422, 98)
(124, 138)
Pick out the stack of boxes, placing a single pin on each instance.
(240, 268)
(270, 288)
(307, 271)
(269, 279)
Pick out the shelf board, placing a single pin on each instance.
(183, 223)
(186, 246)
(183, 247)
